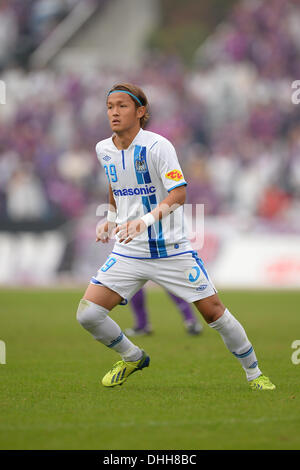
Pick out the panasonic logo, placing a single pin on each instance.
(134, 191)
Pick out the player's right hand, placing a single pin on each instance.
(104, 231)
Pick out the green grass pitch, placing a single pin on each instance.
(193, 396)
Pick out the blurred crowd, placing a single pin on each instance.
(24, 24)
(244, 80)
(230, 117)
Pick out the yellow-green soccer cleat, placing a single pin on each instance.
(122, 369)
(262, 383)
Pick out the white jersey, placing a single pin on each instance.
(141, 177)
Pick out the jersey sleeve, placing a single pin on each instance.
(168, 166)
(98, 153)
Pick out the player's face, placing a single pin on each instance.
(122, 112)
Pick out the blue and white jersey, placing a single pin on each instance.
(141, 177)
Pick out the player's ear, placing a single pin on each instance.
(141, 110)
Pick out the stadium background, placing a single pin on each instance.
(219, 78)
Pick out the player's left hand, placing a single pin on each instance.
(126, 232)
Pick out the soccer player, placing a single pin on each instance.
(147, 191)
(142, 322)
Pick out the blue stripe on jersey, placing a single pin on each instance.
(149, 203)
(146, 174)
(158, 226)
(123, 159)
(152, 245)
(139, 176)
(151, 241)
(152, 199)
(145, 200)
(161, 241)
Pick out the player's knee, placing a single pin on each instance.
(211, 308)
(89, 314)
(84, 313)
(215, 311)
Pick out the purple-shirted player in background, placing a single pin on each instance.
(141, 316)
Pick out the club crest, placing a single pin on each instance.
(140, 165)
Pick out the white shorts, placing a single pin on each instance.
(182, 275)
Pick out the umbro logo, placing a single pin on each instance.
(106, 158)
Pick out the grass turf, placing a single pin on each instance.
(193, 396)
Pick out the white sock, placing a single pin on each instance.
(104, 329)
(235, 338)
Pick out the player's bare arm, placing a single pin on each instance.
(133, 228)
